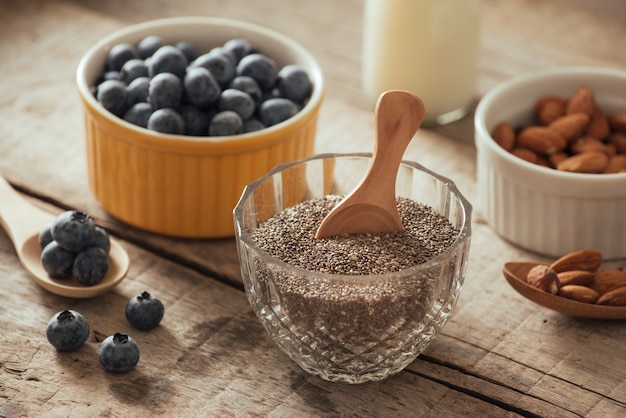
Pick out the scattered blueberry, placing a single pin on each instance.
(201, 88)
(237, 101)
(276, 110)
(167, 121)
(225, 123)
(57, 261)
(67, 330)
(139, 114)
(73, 230)
(90, 266)
(165, 90)
(144, 311)
(294, 83)
(260, 67)
(112, 95)
(168, 59)
(119, 54)
(118, 353)
(149, 45)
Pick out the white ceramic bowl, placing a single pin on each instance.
(540, 209)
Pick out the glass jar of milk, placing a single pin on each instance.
(428, 47)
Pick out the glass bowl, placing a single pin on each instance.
(350, 328)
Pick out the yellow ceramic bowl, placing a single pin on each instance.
(182, 185)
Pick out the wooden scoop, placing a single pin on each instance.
(371, 206)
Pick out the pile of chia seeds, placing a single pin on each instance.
(348, 315)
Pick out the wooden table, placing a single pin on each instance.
(499, 355)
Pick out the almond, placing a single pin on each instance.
(541, 140)
(619, 140)
(598, 125)
(582, 100)
(504, 135)
(575, 277)
(616, 297)
(588, 260)
(526, 154)
(549, 109)
(588, 162)
(578, 293)
(587, 143)
(556, 158)
(570, 126)
(617, 164)
(606, 280)
(544, 278)
(617, 121)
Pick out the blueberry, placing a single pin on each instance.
(137, 90)
(219, 64)
(73, 230)
(165, 90)
(260, 67)
(144, 311)
(57, 261)
(118, 353)
(102, 239)
(149, 45)
(45, 236)
(166, 121)
(113, 96)
(247, 85)
(201, 88)
(110, 75)
(237, 101)
(273, 111)
(189, 49)
(225, 123)
(90, 266)
(133, 69)
(239, 48)
(252, 125)
(195, 119)
(294, 83)
(119, 54)
(139, 114)
(168, 59)
(67, 330)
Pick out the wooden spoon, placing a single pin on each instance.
(371, 206)
(23, 221)
(515, 273)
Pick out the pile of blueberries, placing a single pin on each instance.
(67, 330)
(74, 246)
(175, 89)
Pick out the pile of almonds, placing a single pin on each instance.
(570, 134)
(577, 276)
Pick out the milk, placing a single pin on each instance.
(428, 47)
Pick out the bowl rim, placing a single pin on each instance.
(464, 234)
(534, 172)
(151, 138)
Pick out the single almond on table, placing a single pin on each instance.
(578, 293)
(575, 277)
(588, 260)
(606, 280)
(590, 162)
(616, 297)
(543, 278)
(582, 100)
(570, 126)
(541, 140)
